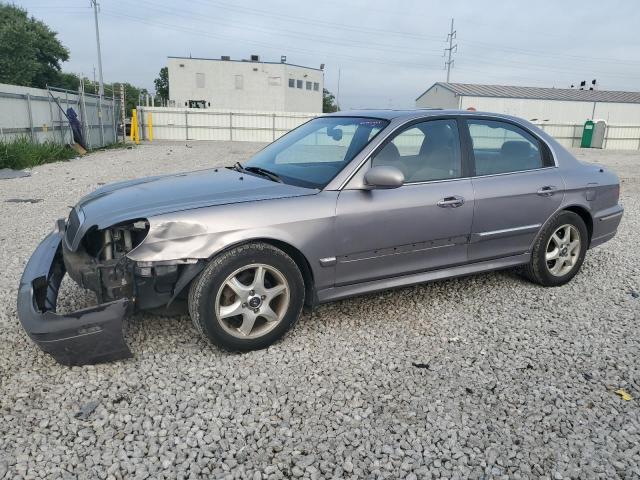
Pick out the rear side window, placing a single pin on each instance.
(500, 147)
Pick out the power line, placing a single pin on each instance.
(270, 46)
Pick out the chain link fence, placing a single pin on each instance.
(39, 114)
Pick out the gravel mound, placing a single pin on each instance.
(481, 377)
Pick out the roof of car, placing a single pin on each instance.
(415, 113)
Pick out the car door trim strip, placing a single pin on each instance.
(506, 231)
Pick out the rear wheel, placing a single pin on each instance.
(559, 250)
(247, 297)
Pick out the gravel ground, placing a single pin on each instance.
(481, 377)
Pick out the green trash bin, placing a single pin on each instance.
(587, 134)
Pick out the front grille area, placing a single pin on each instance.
(73, 225)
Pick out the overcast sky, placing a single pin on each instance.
(388, 52)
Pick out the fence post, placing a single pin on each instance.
(30, 117)
(186, 124)
(51, 124)
(113, 114)
(66, 104)
(273, 125)
(100, 120)
(231, 126)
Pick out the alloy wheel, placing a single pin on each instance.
(252, 301)
(563, 250)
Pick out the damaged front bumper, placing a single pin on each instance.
(87, 336)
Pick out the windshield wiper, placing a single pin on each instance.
(264, 172)
(238, 167)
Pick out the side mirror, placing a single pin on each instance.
(384, 176)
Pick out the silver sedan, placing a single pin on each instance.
(346, 204)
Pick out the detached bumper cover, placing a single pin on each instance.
(90, 335)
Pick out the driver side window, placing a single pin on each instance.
(425, 151)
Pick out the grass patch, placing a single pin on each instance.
(22, 153)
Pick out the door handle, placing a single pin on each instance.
(452, 202)
(546, 191)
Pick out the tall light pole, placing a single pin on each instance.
(95, 15)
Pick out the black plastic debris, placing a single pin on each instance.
(420, 365)
(23, 200)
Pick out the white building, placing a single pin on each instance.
(244, 85)
(540, 105)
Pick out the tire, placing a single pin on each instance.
(228, 299)
(560, 270)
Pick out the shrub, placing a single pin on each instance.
(22, 153)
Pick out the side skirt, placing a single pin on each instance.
(344, 291)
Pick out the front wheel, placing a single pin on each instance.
(248, 297)
(559, 250)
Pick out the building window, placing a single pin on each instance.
(299, 83)
(316, 86)
(239, 82)
(309, 85)
(292, 83)
(199, 80)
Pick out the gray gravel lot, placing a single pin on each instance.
(512, 380)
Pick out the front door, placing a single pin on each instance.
(422, 225)
(517, 188)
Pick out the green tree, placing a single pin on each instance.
(69, 81)
(162, 84)
(30, 53)
(328, 102)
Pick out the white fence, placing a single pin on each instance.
(33, 113)
(617, 137)
(212, 124)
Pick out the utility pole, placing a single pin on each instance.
(338, 92)
(450, 51)
(95, 15)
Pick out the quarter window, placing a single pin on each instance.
(500, 147)
(424, 152)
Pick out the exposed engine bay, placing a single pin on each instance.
(100, 264)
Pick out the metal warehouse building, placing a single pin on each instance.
(244, 85)
(539, 105)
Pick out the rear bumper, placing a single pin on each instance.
(87, 336)
(605, 225)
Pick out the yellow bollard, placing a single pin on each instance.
(135, 131)
(150, 129)
(134, 116)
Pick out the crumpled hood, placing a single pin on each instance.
(146, 197)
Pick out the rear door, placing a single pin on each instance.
(516, 186)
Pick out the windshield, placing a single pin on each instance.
(314, 153)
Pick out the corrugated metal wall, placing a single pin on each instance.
(213, 124)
